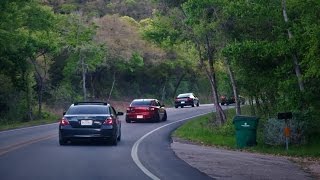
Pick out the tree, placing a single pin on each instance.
(195, 22)
(84, 53)
(28, 32)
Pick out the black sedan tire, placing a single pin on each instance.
(198, 104)
(119, 137)
(128, 120)
(156, 118)
(164, 116)
(62, 141)
(114, 140)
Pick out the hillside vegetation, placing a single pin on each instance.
(55, 52)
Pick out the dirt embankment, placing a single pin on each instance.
(120, 105)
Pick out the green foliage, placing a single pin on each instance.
(63, 96)
(161, 31)
(130, 2)
(67, 8)
(37, 42)
(28, 31)
(132, 21)
(200, 130)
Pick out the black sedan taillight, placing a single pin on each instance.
(108, 121)
(64, 122)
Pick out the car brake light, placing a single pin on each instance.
(151, 108)
(64, 122)
(128, 110)
(108, 121)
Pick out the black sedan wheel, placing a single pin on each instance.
(156, 118)
(114, 140)
(164, 116)
(128, 120)
(119, 137)
(62, 141)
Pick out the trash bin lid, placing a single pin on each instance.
(245, 122)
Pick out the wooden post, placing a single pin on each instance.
(287, 133)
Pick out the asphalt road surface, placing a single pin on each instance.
(144, 152)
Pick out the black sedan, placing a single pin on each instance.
(186, 99)
(90, 120)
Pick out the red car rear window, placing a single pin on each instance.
(141, 103)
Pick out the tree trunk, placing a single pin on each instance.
(220, 115)
(252, 108)
(113, 82)
(92, 85)
(26, 75)
(84, 69)
(163, 94)
(177, 85)
(294, 56)
(40, 86)
(234, 88)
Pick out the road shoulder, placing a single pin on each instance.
(227, 164)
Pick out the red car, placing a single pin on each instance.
(145, 110)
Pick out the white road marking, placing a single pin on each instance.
(24, 128)
(134, 150)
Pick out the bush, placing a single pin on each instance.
(274, 131)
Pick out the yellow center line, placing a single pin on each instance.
(13, 147)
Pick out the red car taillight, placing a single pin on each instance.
(151, 108)
(128, 110)
(189, 99)
(64, 122)
(108, 121)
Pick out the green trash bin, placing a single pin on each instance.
(246, 130)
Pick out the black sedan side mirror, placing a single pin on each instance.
(119, 113)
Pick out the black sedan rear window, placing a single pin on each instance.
(141, 103)
(184, 95)
(93, 109)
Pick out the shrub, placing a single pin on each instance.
(274, 131)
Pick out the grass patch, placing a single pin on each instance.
(199, 130)
(47, 119)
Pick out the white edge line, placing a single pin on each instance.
(134, 150)
(24, 128)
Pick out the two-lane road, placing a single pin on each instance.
(143, 153)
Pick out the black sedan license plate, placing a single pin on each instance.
(86, 122)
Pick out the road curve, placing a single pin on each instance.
(143, 153)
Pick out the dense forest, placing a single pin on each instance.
(55, 52)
